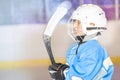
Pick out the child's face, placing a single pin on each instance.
(77, 28)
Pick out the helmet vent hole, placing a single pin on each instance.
(77, 13)
(100, 13)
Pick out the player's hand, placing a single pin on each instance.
(57, 71)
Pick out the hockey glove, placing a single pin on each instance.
(57, 71)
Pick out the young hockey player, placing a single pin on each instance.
(86, 58)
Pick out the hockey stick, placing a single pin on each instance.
(57, 16)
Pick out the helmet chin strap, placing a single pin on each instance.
(80, 38)
(85, 38)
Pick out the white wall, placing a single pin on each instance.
(21, 42)
(111, 38)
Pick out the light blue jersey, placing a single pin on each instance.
(90, 62)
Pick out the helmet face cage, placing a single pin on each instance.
(71, 29)
(92, 19)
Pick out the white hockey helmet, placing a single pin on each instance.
(92, 19)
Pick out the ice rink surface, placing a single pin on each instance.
(37, 73)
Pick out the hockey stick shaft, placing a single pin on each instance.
(57, 16)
